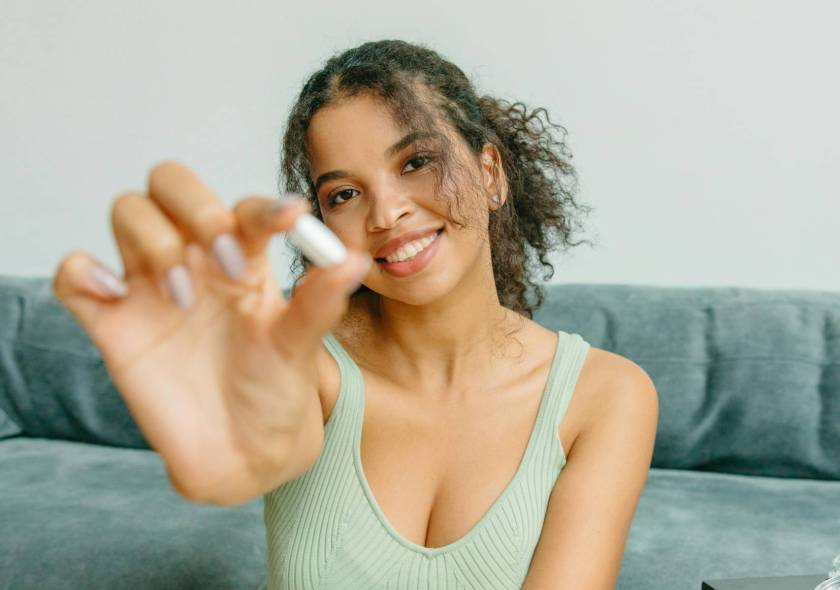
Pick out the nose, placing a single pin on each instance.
(387, 204)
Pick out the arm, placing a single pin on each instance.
(594, 500)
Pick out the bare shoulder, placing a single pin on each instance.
(603, 376)
(613, 376)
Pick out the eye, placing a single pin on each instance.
(418, 158)
(331, 199)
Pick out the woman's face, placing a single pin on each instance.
(373, 187)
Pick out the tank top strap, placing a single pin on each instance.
(349, 407)
(563, 377)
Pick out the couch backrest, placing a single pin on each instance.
(748, 379)
(53, 383)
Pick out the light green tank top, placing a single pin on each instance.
(324, 530)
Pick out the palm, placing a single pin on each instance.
(207, 375)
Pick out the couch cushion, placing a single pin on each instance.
(76, 515)
(692, 526)
(748, 379)
(53, 383)
(8, 427)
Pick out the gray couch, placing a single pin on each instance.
(744, 480)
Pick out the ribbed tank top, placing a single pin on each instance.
(325, 530)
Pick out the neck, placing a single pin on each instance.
(443, 348)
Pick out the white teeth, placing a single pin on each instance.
(411, 250)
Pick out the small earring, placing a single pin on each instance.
(496, 199)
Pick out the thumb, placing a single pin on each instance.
(318, 304)
(82, 285)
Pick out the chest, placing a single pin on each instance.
(436, 469)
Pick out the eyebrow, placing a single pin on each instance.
(391, 151)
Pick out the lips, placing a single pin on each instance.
(395, 244)
(416, 264)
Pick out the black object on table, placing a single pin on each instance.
(773, 583)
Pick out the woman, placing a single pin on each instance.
(419, 429)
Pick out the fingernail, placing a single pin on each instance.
(107, 282)
(229, 255)
(286, 202)
(283, 204)
(180, 286)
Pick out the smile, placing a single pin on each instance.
(414, 264)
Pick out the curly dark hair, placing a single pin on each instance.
(432, 97)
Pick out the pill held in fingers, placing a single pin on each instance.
(316, 241)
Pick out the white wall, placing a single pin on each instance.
(705, 132)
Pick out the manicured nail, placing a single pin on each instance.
(229, 255)
(106, 282)
(283, 204)
(180, 286)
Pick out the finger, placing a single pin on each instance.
(318, 304)
(150, 244)
(146, 238)
(200, 213)
(82, 284)
(259, 218)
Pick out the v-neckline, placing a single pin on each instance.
(357, 459)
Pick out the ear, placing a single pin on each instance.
(493, 173)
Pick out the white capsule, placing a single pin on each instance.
(316, 241)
